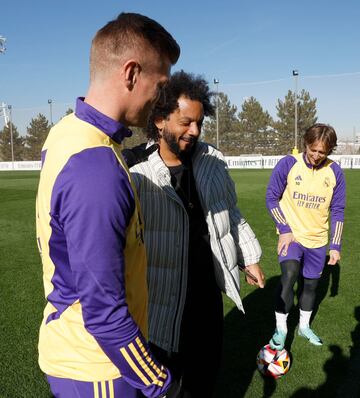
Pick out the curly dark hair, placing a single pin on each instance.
(180, 84)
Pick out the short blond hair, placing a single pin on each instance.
(129, 32)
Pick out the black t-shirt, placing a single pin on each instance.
(203, 311)
(201, 278)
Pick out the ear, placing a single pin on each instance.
(159, 123)
(131, 72)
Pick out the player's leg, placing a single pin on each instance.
(201, 346)
(284, 300)
(67, 388)
(290, 268)
(314, 262)
(308, 295)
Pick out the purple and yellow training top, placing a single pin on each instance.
(300, 197)
(90, 237)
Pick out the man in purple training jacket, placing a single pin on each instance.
(92, 339)
(303, 191)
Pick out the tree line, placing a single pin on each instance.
(249, 131)
(28, 147)
(253, 131)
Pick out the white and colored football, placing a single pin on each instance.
(273, 363)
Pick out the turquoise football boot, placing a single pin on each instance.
(277, 341)
(310, 335)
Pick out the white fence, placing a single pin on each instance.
(27, 165)
(269, 162)
(233, 162)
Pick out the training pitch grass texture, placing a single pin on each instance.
(328, 371)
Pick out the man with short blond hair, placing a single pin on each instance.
(90, 234)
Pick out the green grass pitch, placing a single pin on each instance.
(328, 371)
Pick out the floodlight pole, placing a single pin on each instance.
(50, 105)
(2, 44)
(216, 82)
(2, 51)
(11, 135)
(3, 110)
(296, 74)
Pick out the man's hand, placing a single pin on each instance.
(334, 257)
(256, 271)
(174, 391)
(284, 242)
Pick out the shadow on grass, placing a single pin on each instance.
(351, 383)
(244, 335)
(335, 369)
(342, 373)
(329, 281)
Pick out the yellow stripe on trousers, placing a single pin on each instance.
(96, 389)
(103, 389)
(111, 389)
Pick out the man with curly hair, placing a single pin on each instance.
(195, 236)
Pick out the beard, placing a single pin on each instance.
(174, 146)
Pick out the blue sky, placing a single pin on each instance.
(250, 46)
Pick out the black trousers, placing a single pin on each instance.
(198, 361)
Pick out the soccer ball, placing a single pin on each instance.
(273, 363)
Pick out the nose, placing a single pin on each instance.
(194, 129)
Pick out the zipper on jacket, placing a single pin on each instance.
(179, 297)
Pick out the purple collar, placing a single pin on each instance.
(114, 129)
